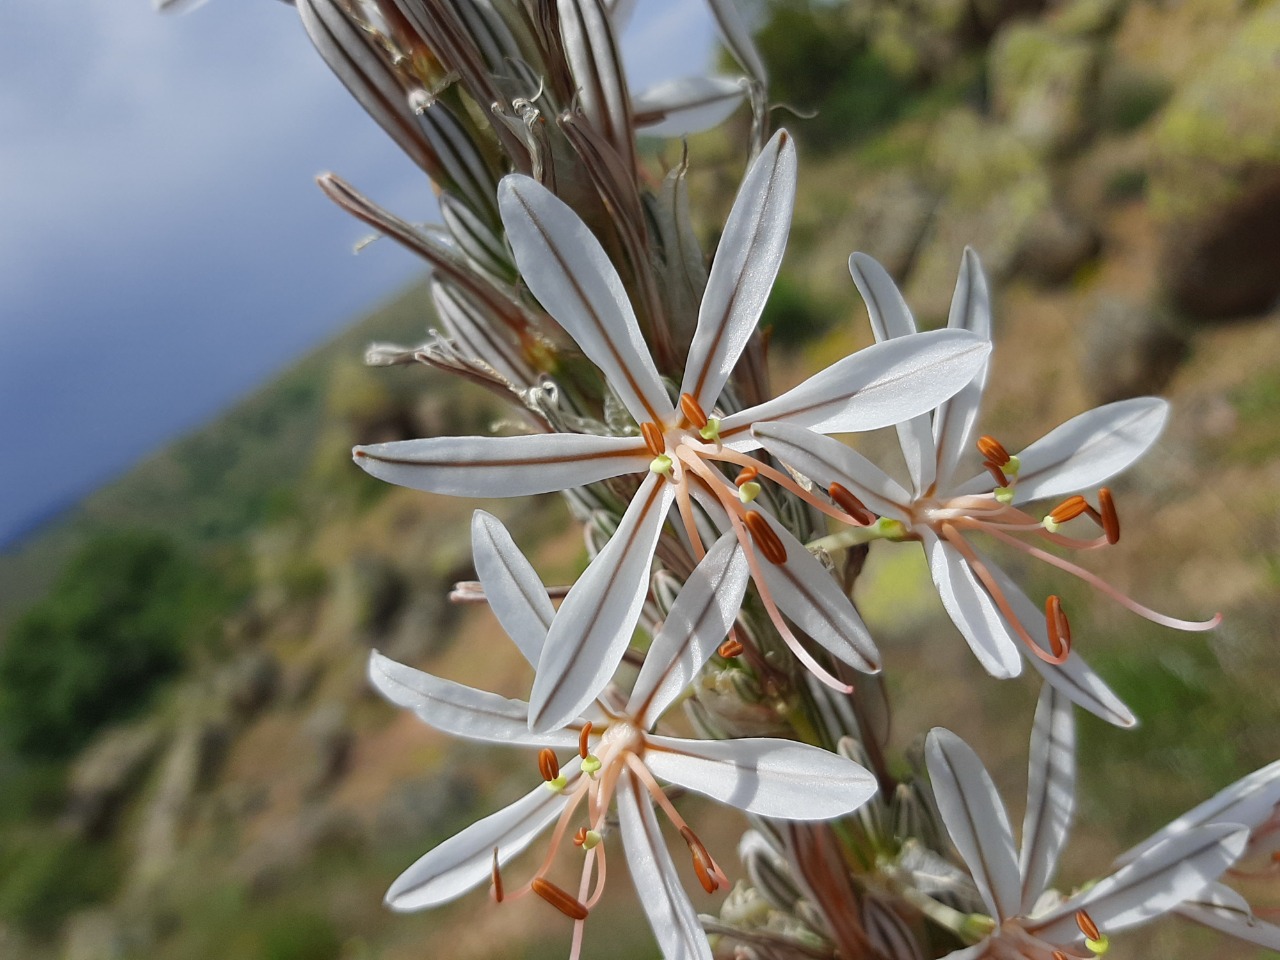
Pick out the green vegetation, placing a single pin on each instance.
(96, 648)
(820, 63)
(46, 876)
(793, 315)
(1257, 403)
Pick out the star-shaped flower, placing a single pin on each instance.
(615, 757)
(942, 511)
(1254, 802)
(681, 448)
(1022, 921)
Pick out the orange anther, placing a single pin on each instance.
(996, 473)
(580, 837)
(1059, 955)
(1059, 629)
(702, 862)
(692, 410)
(855, 508)
(1110, 519)
(1087, 926)
(993, 450)
(497, 878)
(584, 745)
(730, 648)
(562, 901)
(1069, 509)
(653, 438)
(766, 540)
(746, 476)
(548, 765)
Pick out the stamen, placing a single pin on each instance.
(1069, 509)
(548, 765)
(851, 505)
(559, 899)
(584, 747)
(996, 473)
(1058, 626)
(730, 648)
(653, 438)
(1059, 955)
(993, 450)
(1110, 519)
(580, 837)
(702, 862)
(692, 410)
(586, 839)
(766, 540)
(745, 476)
(1087, 926)
(497, 878)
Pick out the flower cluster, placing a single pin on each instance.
(726, 524)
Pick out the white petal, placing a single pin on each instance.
(976, 820)
(676, 108)
(772, 778)
(806, 592)
(1051, 782)
(1173, 871)
(1074, 677)
(737, 39)
(513, 589)
(1087, 449)
(465, 860)
(891, 317)
(594, 624)
(667, 906)
(459, 710)
(743, 271)
(876, 387)
(699, 619)
(827, 461)
(954, 420)
(1225, 910)
(568, 271)
(503, 466)
(972, 610)
(1251, 801)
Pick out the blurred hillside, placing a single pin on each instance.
(238, 791)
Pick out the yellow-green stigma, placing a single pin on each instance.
(976, 926)
(661, 465)
(748, 491)
(558, 784)
(1004, 495)
(711, 432)
(591, 765)
(891, 529)
(1099, 946)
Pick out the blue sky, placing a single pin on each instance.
(163, 248)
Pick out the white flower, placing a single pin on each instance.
(682, 448)
(1169, 872)
(1254, 802)
(615, 757)
(942, 511)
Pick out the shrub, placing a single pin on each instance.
(95, 648)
